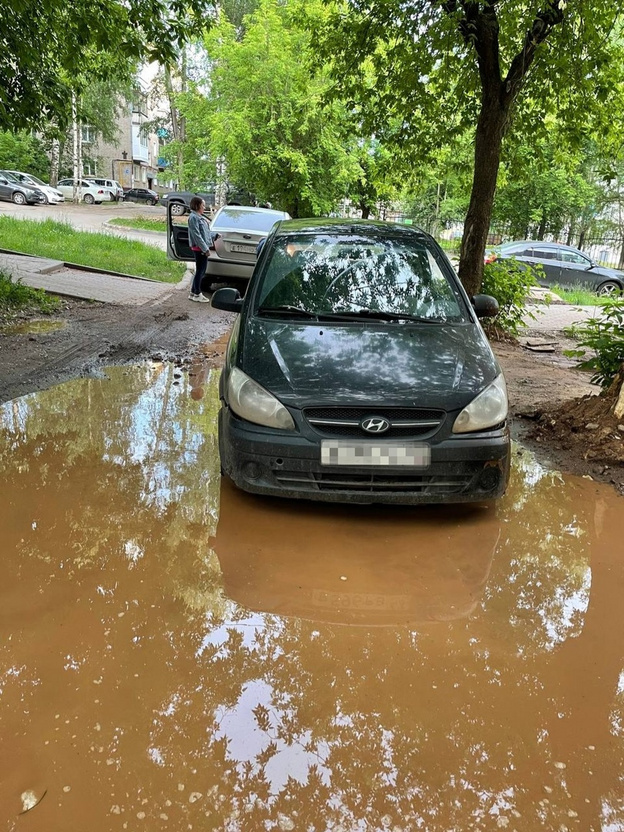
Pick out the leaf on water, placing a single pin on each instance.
(30, 800)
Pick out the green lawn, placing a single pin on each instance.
(577, 295)
(144, 223)
(60, 241)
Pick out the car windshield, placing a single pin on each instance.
(248, 220)
(357, 277)
(35, 180)
(9, 176)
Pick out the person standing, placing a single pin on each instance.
(200, 238)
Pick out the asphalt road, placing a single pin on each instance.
(92, 217)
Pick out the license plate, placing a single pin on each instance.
(243, 249)
(342, 452)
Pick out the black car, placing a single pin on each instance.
(12, 190)
(357, 371)
(561, 265)
(141, 195)
(180, 201)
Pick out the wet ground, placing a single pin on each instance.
(177, 655)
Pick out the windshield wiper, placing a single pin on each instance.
(377, 314)
(287, 311)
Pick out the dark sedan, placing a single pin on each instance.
(141, 195)
(562, 266)
(12, 190)
(357, 371)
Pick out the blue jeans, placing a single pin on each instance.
(201, 261)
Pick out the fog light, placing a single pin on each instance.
(252, 470)
(490, 479)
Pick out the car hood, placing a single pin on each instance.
(441, 365)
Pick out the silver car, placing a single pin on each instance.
(240, 229)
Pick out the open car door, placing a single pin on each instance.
(178, 247)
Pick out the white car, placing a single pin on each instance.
(87, 191)
(109, 184)
(51, 194)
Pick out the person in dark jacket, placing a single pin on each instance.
(200, 239)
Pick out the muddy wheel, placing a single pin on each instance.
(608, 288)
(152, 202)
(177, 209)
(19, 198)
(88, 199)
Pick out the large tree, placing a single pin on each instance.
(43, 45)
(443, 66)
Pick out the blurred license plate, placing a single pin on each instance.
(341, 452)
(243, 249)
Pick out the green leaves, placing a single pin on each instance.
(46, 46)
(601, 342)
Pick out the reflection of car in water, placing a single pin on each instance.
(357, 566)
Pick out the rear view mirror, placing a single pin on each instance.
(228, 299)
(485, 306)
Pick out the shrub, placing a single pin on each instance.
(509, 282)
(14, 295)
(604, 336)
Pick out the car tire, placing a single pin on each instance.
(609, 288)
(178, 209)
(19, 198)
(151, 202)
(88, 199)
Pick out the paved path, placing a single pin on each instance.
(558, 316)
(53, 276)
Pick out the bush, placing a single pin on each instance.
(14, 295)
(509, 282)
(604, 336)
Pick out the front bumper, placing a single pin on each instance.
(468, 468)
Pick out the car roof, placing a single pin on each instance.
(333, 225)
(539, 243)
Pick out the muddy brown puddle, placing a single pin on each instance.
(178, 655)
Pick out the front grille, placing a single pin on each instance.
(373, 482)
(345, 421)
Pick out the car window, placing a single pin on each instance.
(545, 253)
(574, 257)
(65, 182)
(327, 274)
(248, 220)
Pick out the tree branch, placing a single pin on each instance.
(542, 26)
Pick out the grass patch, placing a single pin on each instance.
(143, 223)
(60, 241)
(576, 295)
(14, 296)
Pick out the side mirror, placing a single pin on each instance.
(485, 306)
(228, 299)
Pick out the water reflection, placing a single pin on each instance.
(162, 663)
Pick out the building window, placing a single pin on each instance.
(88, 134)
(88, 167)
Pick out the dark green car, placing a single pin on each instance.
(357, 371)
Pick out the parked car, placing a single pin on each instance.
(88, 192)
(141, 195)
(12, 190)
(52, 195)
(357, 371)
(117, 192)
(180, 201)
(561, 265)
(239, 229)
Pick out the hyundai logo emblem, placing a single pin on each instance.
(375, 424)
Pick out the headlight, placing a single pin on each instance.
(488, 409)
(255, 404)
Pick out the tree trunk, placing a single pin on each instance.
(365, 209)
(542, 227)
(76, 173)
(488, 142)
(55, 158)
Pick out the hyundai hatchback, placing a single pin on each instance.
(357, 371)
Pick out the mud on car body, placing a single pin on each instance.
(357, 371)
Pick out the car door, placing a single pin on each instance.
(575, 269)
(6, 188)
(178, 246)
(546, 257)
